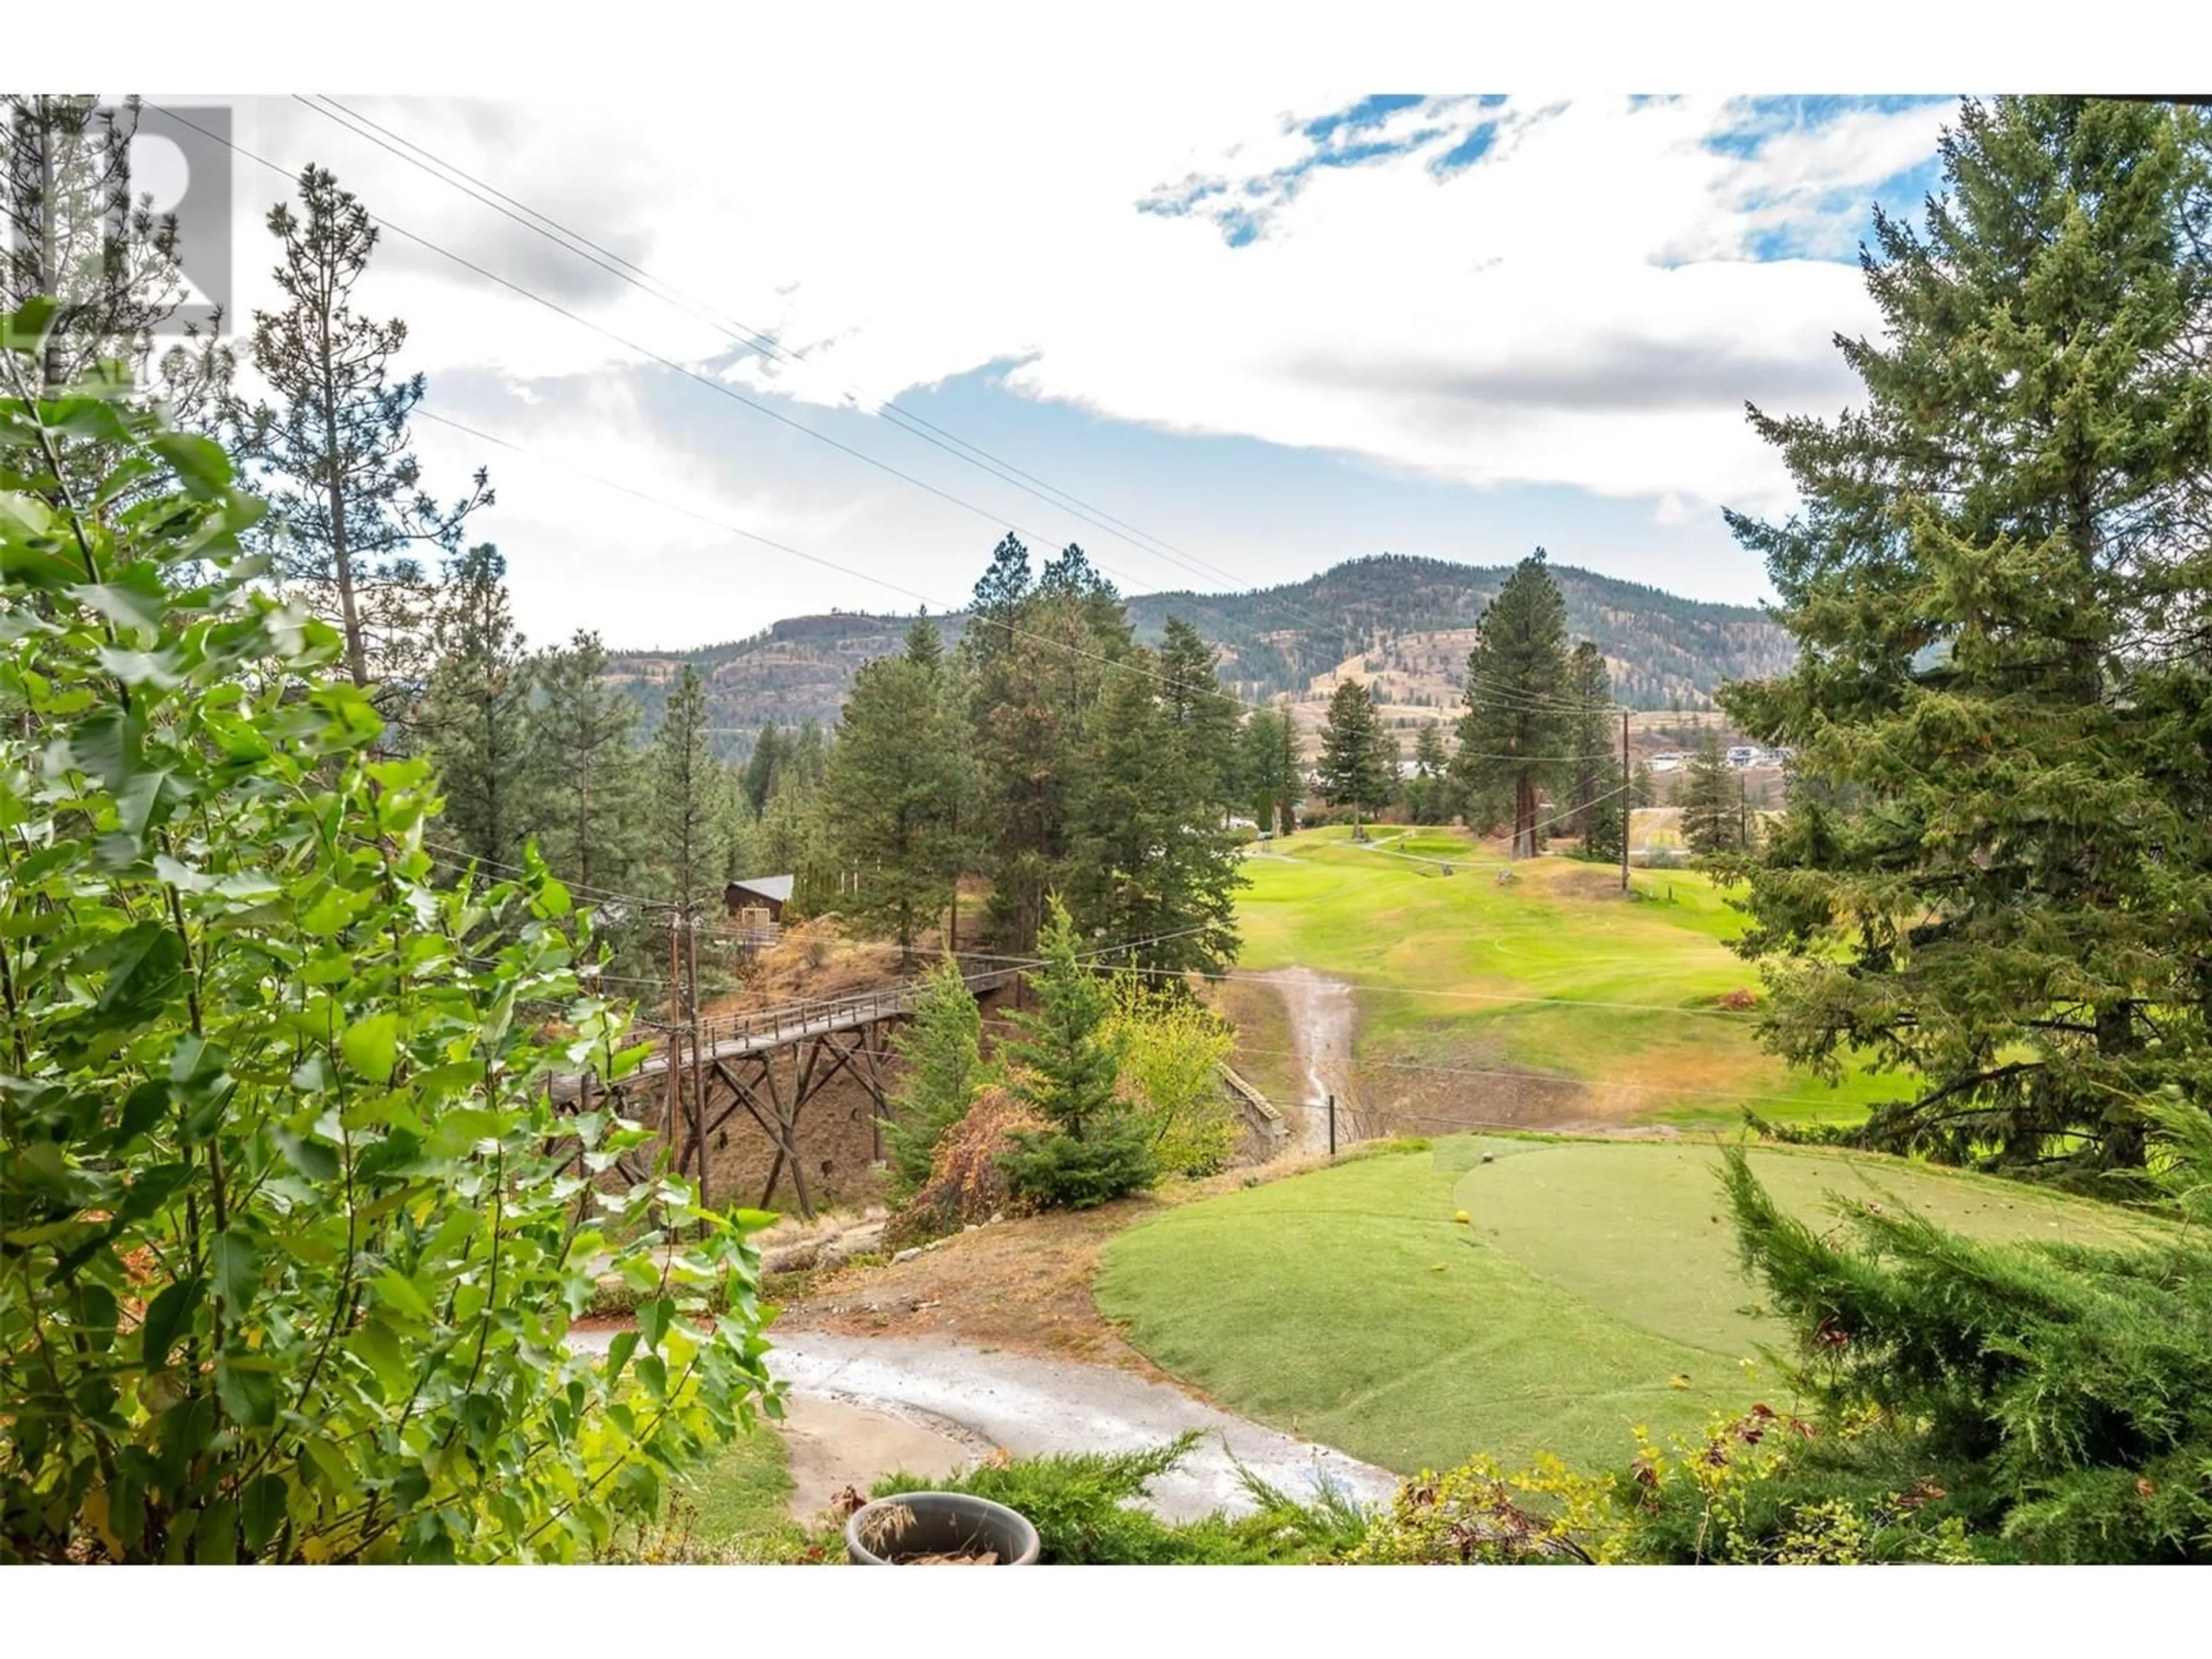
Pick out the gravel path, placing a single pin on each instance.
(1321, 1011)
(1033, 1407)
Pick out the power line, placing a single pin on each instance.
(719, 386)
(1551, 1077)
(763, 341)
(765, 344)
(759, 341)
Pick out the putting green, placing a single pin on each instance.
(1590, 1292)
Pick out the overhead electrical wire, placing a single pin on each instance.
(764, 343)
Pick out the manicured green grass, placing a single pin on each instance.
(1439, 961)
(1595, 1289)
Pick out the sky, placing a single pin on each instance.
(1234, 340)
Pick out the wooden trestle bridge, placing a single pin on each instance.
(696, 1084)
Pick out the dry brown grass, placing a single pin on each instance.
(1022, 1285)
(965, 1182)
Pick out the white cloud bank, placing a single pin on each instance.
(1582, 305)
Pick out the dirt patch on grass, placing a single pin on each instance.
(1023, 1284)
(1581, 880)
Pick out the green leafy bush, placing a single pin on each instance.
(292, 1233)
(1172, 1053)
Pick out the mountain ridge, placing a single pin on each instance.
(1403, 622)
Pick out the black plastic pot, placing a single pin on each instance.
(943, 1523)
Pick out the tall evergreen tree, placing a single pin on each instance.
(1038, 660)
(1594, 768)
(1153, 870)
(586, 729)
(1707, 795)
(1519, 713)
(689, 788)
(1201, 718)
(72, 230)
(1288, 779)
(1355, 771)
(346, 488)
(1064, 1066)
(1998, 585)
(1267, 761)
(763, 766)
(475, 721)
(892, 790)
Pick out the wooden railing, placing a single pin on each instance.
(772, 1026)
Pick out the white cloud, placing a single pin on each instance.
(1578, 307)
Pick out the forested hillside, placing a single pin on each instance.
(1406, 618)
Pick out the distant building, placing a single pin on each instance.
(1670, 761)
(1742, 754)
(759, 893)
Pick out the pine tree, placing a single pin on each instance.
(1519, 713)
(1354, 771)
(688, 788)
(941, 1047)
(1063, 1065)
(763, 766)
(586, 729)
(1288, 779)
(1268, 763)
(1708, 797)
(1589, 739)
(475, 717)
(890, 793)
(1998, 586)
(1201, 718)
(1038, 659)
(348, 489)
(1153, 870)
(72, 230)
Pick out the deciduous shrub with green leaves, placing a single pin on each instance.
(290, 1232)
(1172, 1051)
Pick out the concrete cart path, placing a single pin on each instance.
(1033, 1407)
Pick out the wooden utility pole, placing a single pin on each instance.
(675, 1044)
(698, 1066)
(1627, 801)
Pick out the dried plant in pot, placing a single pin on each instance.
(938, 1529)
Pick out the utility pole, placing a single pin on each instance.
(1332, 1126)
(1743, 813)
(675, 1045)
(1627, 801)
(698, 1065)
